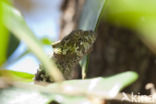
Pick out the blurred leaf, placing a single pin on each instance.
(148, 33)
(16, 24)
(90, 14)
(46, 41)
(6, 47)
(20, 56)
(129, 12)
(99, 86)
(3, 39)
(14, 75)
(13, 95)
(139, 16)
(84, 66)
(14, 59)
(13, 44)
(88, 20)
(67, 92)
(28, 96)
(66, 99)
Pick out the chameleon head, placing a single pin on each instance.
(69, 51)
(77, 42)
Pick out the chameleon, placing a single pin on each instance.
(68, 52)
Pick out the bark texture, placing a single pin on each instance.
(116, 50)
(71, 10)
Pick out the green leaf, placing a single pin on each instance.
(90, 14)
(66, 99)
(16, 24)
(109, 86)
(18, 57)
(67, 92)
(8, 43)
(84, 66)
(88, 20)
(12, 45)
(46, 41)
(14, 75)
(130, 12)
(28, 96)
(13, 95)
(4, 38)
(148, 33)
(136, 15)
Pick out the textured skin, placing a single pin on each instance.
(69, 51)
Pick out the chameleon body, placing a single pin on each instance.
(69, 51)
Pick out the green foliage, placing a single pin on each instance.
(3, 43)
(84, 66)
(129, 13)
(90, 14)
(46, 41)
(29, 96)
(74, 94)
(16, 24)
(108, 86)
(8, 43)
(68, 92)
(12, 44)
(134, 14)
(14, 95)
(19, 76)
(3, 39)
(89, 18)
